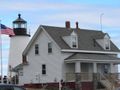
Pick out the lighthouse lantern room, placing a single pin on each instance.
(20, 26)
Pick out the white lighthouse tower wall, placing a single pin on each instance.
(17, 45)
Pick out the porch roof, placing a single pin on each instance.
(18, 67)
(92, 57)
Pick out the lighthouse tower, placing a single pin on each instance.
(18, 42)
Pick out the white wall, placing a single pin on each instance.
(54, 62)
(17, 45)
(55, 65)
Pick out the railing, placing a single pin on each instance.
(79, 76)
(112, 77)
(110, 80)
(106, 82)
(70, 77)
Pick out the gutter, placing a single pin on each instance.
(88, 51)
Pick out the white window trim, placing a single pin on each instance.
(51, 47)
(37, 49)
(107, 39)
(44, 69)
(74, 35)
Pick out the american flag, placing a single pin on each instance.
(6, 30)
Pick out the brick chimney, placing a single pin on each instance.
(77, 25)
(67, 24)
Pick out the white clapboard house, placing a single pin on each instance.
(82, 56)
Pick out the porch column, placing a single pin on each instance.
(95, 80)
(111, 68)
(77, 67)
(78, 76)
(95, 67)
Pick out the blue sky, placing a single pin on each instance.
(56, 12)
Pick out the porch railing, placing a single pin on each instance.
(79, 76)
(112, 77)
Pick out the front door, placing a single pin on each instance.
(103, 68)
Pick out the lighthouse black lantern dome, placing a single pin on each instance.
(20, 26)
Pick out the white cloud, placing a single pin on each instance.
(62, 11)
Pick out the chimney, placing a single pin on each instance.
(67, 24)
(77, 25)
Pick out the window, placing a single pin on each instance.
(49, 47)
(43, 69)
(74, 41)
(107, 44)
(36, 49)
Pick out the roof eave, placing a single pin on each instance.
(91, 60)
(90, 51)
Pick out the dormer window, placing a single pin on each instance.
(104, 42)
(71, 40)
(107, 42)
(74, 40)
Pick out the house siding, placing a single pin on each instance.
(82, 65)
(53, 62)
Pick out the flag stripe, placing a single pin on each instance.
(6, 30)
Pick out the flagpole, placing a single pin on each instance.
(1, 54)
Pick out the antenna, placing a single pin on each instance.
(101, 20)
(29, 31)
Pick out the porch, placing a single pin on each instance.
(110, 81)
(86, 77)
(94, 68)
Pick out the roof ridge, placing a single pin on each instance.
(71, 28)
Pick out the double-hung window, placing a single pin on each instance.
(36, 49)
(50, 47)
(43, 69)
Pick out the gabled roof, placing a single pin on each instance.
(86, 38)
